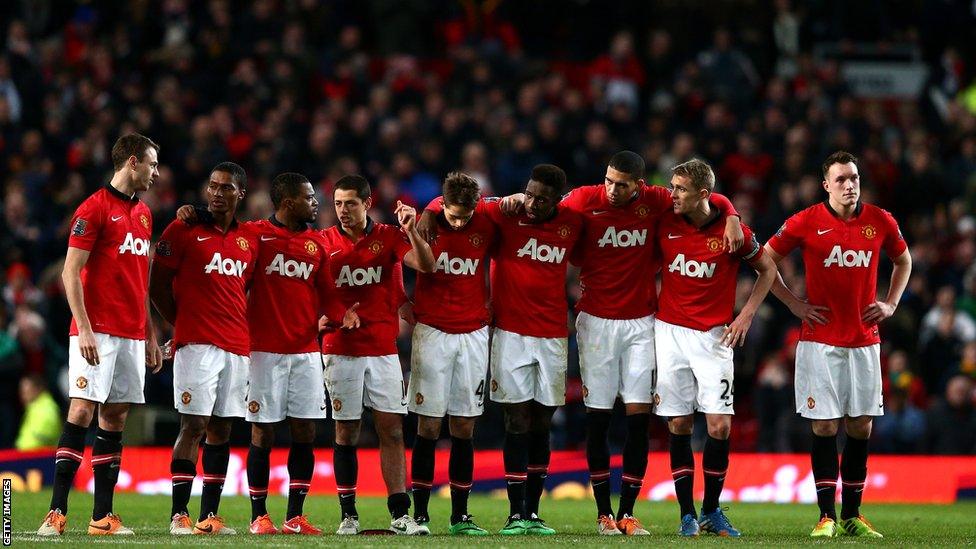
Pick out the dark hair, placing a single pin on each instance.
(698, 172)
(37, 381)
(132, 144)
(839, 157)
(237, 173)
(286, 185)
(629, 163)
(356, 183)
(551, 176)
(461, 189)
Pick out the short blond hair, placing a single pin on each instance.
(698, 172)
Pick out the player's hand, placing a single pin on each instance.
(733, 237)
(88, 346)
(735, 333)
(406, 313)
(154, 355)
(187, 214)
(325, 324)
(810, 314)
(427, 226)
(876, 312)
(350, 320)
(512, 204)
(406, 215)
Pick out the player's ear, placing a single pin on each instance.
(368, 203)
(132, 162)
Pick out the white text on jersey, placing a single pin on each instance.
(358, 277)
(289, 268)
(623, 239)
(848, 258)
(134, 246)
(692, 268)
(542, 252)
(229, 267)
(455, 265)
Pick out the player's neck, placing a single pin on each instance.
(290, 223)
(123, 183)
(700, 215)
(223, 220)
(843, 211)
(356, 231)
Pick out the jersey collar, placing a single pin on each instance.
(715, 216)
(274, 221)
(857, 209)
(120, 195)
(369, 228)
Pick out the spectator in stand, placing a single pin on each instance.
(41, 426)
(901, 430)
(952, 420)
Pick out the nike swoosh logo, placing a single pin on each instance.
(208, 529)
(322, 407)
(294, 529)
(598, 212)
(114, 465)
(267, 238)
(202, 238)
(524, 224)
(673, 236)
(105, 528)
(179, 483)
(333, 253)
(116, 218)
(823, 231)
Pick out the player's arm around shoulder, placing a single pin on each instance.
(420, 257)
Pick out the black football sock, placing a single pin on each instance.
(460, 471)
(683, 473)
(537, 470)
(258, 471)
(422, 475)
(598, 459)
(398, 504)
(823, 459)
(106, 459)
(715, 465)
(635, 462)
(67, 459)
(215, 459)
(346, 472)
(516, 456)
(301, 462)
(182, 471)
(853, 471)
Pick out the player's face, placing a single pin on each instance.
(304, 205)
(147, 170)
(349, 208)
(685, 197)
(843, 184)
(620, 186)
(457, 216)
(540, 200)
(223, 194)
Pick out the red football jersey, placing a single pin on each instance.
(698, 275)
(213, 271)
(291, 284)
(454, 298)
(617, 241)
(116, 229)
(528, 274)
(363, 272)
(841, 262)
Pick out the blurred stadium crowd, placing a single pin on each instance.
(404, 91)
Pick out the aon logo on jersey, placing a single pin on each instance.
(134, 246)
(358, 277)
(455, 265)
(848, 258)
(692, 268)
(289, 268)
(622, 239)
(542, 252)
(225, 266)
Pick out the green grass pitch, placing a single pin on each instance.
(767, 525)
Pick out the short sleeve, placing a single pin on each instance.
(491, 207)
(658, 198)
(401, 243)
(750, 249)
(723, 204)
(574, 200)
(170, 248)
(86, 225)
(788, 237)
(894, 243)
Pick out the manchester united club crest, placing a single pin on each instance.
(811, 403)
(657, 399)
(869, 232)
(186, 397)
(713, 244)
(242, 243)
(144, 220)
(253, 406)
(81, 382)
(336, 404)
(476, 240)
(419, 399)
(376, 247)
(311, 247)
(563, 231)
(586, 391)
(494, 385)
(642, 210)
